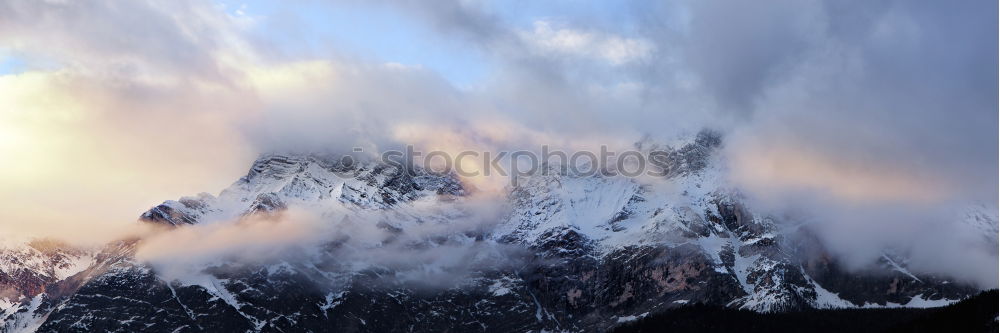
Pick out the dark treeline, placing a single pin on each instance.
(976, 314)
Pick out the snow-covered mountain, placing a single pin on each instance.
(416, 252)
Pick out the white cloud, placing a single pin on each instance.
(549, 39)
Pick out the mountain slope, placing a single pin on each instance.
(392, 250)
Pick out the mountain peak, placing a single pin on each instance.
(275, 181)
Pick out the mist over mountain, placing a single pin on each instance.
(816, 154)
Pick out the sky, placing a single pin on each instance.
(879, 113)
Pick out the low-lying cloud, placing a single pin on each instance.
(419, 246)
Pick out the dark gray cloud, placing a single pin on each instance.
(879, 118)
(913, 87)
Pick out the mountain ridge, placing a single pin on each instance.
(570, 252)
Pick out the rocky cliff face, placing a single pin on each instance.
(570, 252)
